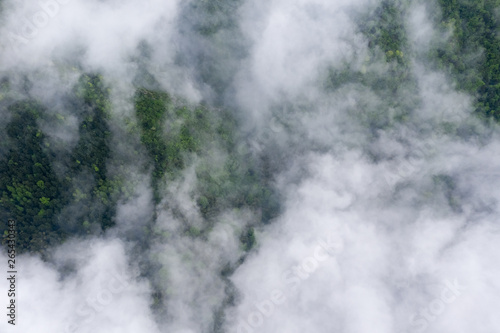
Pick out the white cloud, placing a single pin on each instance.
(410, 203)
(103, 292)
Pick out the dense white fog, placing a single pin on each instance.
(389, 197)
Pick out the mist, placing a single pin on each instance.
(335, 182)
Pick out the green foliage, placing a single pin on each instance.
(395, 86)
(45, 201)
(83, 200)
(235, 183)
(385, 30)
(30, 191)
(95, 195)
(475, 29)
(194, 232)
(168, 133)
(79, 195)
(151, 107)
(92, 102)
(92, 91)
(248, 239)
(172, 131)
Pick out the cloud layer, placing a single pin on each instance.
(388, 184)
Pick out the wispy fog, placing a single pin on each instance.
(388, 183)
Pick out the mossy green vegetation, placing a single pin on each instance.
(248, 239)
(177, 135)
(48, 206)
(169, 132)
(151, 107)
(385, 30)
(31, 194)
(385, 69)
(472, 54)
(54, 191)
(91, 191)
(92, 149)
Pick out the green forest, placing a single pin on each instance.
(472, 56)
(222, 166)
(80, 197)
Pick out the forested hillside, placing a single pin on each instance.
(472, 56)
(82, 197)
(242, 166)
